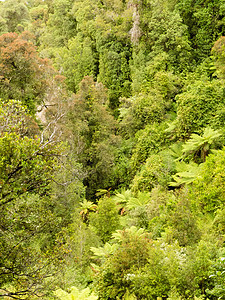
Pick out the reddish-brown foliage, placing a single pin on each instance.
(23, 74)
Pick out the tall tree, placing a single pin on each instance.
(16, 15)
(94, 135)
(205, 23)
(27, 165)
(23, 72)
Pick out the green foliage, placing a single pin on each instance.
(159, 80)
(76, 241)
(198, 107)
(14, 118)
(197, 269)
(76, 60)
(205, 23)
(218, 56)
(186, 173)
(161, 205)
(132, 253)
(123, 197)
(219, 222)
(156, 171)
(67, 189)
(114, 71)
(181, 225)
(27, 252)
(86, 207)
(3, 25)
(106, 220)
(151, 106)
(105, 251)
(85, 294)
(15, 15)
(151, 282)
(26, 165)
(217, 278)
(201, 144)
(148, 141)
(165, 33)
(208, 189)
(129, 296)
(141, 200)
(39, 12)
(28, 225)
(195, 150)
(94, 138)
(85, 13)
(61, 25)
(133, 208)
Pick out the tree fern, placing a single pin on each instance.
(75, 294)
(201, 144)
(104, 251)
(133, 231)
(142, 199)
(186, 174)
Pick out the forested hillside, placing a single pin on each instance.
(112, 149)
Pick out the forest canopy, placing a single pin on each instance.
(112, 146)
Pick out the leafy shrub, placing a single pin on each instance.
(208, 190)
(156, 171)
(106, 220)
(198, 106)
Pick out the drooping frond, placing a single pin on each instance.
(142, 199)
(186, 174)
(201, 143)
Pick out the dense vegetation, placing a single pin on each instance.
(112, 149)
